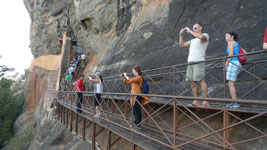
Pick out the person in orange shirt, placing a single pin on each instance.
(136, 84)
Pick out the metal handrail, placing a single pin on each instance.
(191, 63)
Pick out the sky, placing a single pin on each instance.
(15, 35)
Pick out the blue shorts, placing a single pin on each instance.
(233, 69)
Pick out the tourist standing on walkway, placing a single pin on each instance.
(83, 60)
(197, 52)
(136, 83)
(67, 77)
(265, 40)
(63, 84)
(98, 89)
(79, 89)
(232, 65)
(71, 71)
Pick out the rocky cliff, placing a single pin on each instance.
(124, 33)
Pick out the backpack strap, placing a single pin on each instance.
(143, 83)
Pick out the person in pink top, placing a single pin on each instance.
(265, 40)
(79, 88)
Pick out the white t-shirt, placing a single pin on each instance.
(83, 56)
(98, 87)
(197, 49)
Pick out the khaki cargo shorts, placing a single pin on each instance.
(195, 72)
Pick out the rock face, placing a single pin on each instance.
(124, 33)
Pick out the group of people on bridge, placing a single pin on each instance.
(197, 52)
(69, 75)
(195, 73)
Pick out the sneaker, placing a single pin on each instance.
(232, 105)
(229, 105)
(133, 125)
(137, 128)
(236, 105)
(96, 116)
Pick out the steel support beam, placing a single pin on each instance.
(175, 123)
(64, 115)
(93, 136)
(67, 122)
(83, 132)
(76, 124)
(226, 133)
(109, 140)
(71, 120)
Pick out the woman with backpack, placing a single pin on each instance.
(137, 84)
(232, 65)
(98, 89)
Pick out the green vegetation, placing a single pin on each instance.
(21, 140)
(11, 107)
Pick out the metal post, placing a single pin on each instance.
(67, 122)
(254, 80)
(226, 133)
(133, 146)
(126, 109)
(224, 79)
(71, 120)
(60, 113)
(76, 123)
(64, 115)
(173, 81)
(93, 136)
(83, 134)
(174, 123)
(109, 140)
(132, 117)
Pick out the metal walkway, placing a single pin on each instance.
(170, 96)
(157, 132)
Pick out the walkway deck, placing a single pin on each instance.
(138, 136)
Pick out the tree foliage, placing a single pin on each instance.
(10, 108)
(4, 69)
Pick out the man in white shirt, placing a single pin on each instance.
(71, 72)
(83, 60)
(197, 51)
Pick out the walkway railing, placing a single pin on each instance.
(170, 80)
(164, 119)
(163, 123)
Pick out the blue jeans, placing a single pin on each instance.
(137, 111)
(79, 101)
